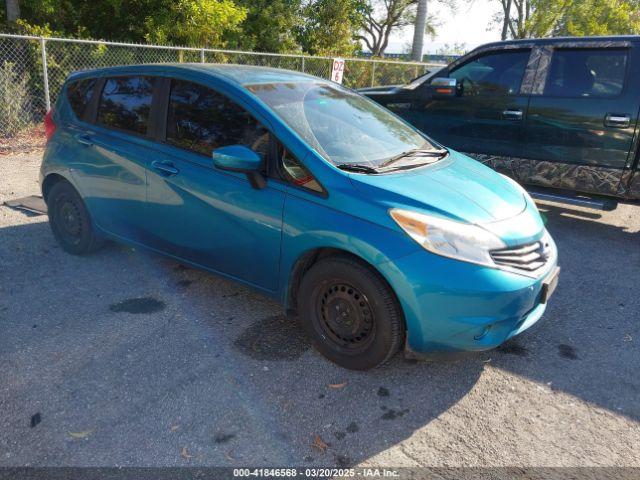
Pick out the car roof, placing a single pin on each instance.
(238, 74)
(551, 40)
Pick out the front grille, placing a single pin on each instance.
(528, 258)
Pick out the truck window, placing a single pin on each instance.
(497, 73)
(586, 73)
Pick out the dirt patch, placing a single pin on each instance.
(25, 142)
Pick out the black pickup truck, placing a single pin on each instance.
(557, 113)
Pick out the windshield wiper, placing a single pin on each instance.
(417, 154)
(356, 167)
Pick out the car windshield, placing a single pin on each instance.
(343, 126)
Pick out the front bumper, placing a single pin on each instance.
(452, 306)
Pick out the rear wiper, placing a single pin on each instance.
(414, 154)
(356, 167)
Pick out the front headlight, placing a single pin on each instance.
(462, 241)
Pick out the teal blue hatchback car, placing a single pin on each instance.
(373, 235)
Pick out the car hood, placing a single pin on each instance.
(456, 187)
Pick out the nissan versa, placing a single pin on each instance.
(372, 234)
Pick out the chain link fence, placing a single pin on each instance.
(33, 69)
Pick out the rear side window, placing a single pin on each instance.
(496, 74)
(586, 73)
(201, 120)
(125, 103)
(79, 95)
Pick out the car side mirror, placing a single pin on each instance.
(443, 87)
(238, 158)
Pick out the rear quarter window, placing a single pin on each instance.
(79, 95)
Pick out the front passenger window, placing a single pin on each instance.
(201, 120)
(493, 74)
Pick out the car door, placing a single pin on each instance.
(582, 117)
(487, 115)
(113, 147)
(206, 216)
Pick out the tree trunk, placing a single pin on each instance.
(418, 31)
(13, 10)
(506, 6)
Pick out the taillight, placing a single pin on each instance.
(49, 125)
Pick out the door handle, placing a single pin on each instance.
(165, 169)
(514, 115)
(84, 140)
(617, 121)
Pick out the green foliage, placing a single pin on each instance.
(313, 26)
(541, 18)
(600, 17)
(14, 99)
(190, 22)
(195, 23)
(270, 26)
(331, 26)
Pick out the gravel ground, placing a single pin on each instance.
(126, 358)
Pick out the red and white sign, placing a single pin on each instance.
(337, 71)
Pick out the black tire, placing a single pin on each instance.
(350, 313)
(70, 221)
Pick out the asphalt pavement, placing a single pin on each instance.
(126, 358)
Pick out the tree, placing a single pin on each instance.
(541, 18)
(380, 18)
(331, 27)
(600, 17)
(186, 22)
(197, 23)
(270, 26)
(418, 31)
(13, 10)
(506, 17)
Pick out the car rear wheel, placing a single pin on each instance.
(70, 221)
(350, 313)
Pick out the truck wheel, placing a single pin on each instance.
(70, 221)
(350, 313)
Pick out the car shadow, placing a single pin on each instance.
(129, 340)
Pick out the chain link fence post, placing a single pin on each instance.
(373, 72)
(302, 63)
(202, 55)
(45, 73)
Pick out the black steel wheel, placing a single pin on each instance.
(346, 316)
(70, 221)
(350, 313)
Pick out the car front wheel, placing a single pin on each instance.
(350, 313)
